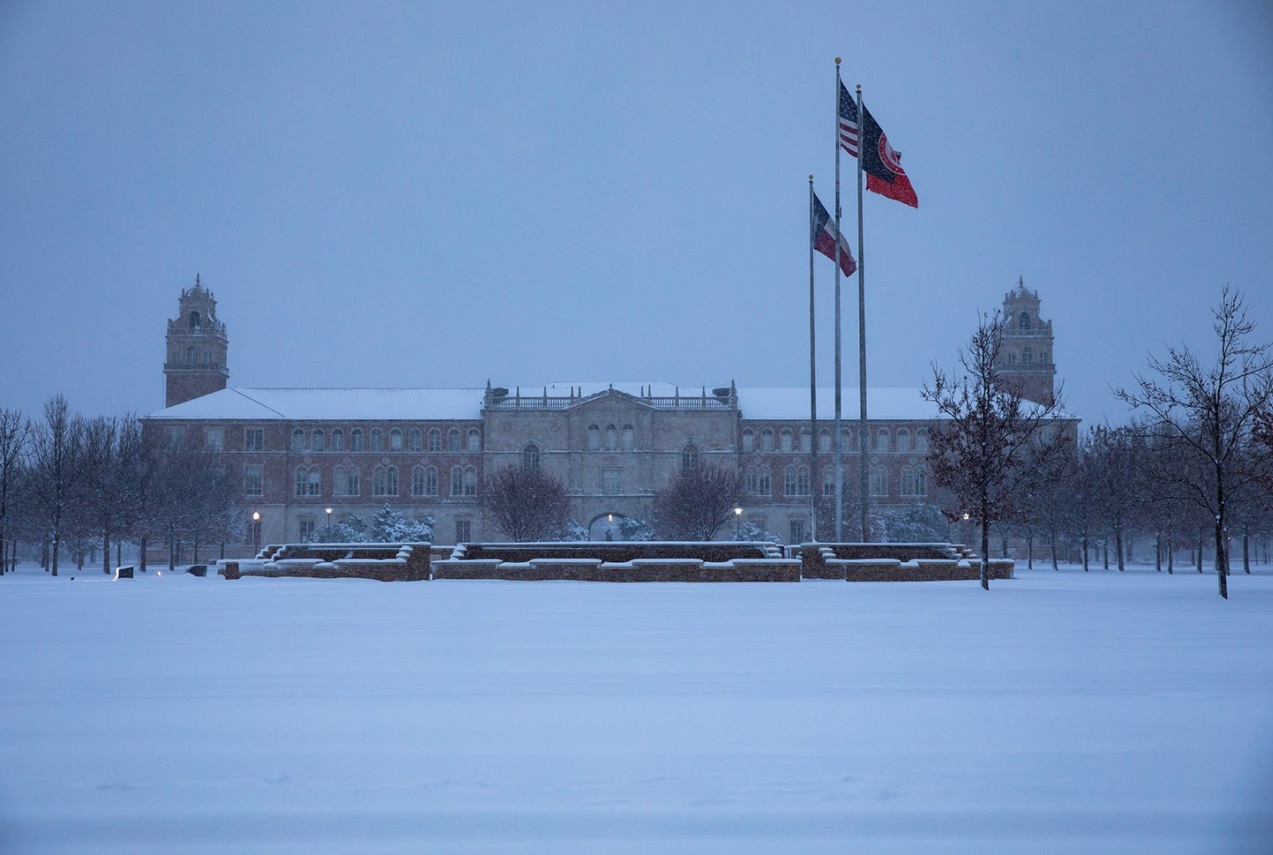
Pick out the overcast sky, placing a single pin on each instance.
(438, 194)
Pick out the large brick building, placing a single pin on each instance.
(310, 455)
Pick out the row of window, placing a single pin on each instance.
(612, 439)
(758, 481)
(689, 459)
(377, 439)
(1027, 357)
(347, 481)
(881, 440)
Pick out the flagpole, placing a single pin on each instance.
(839, 450)
(813, 388)
(863, 439)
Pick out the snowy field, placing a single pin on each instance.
(1060, 712)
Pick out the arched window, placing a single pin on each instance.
(190, 354)
(355, 439)
(415, 440)
(803, 486)
(1024, 321)
(806, 440)
(453, 439)
(530, 457)
(384, 481)
(417, 480)
(828, 481)
(594, 438)
(395, 439)
(689, 459)
(767, 440)
(457, 481)
(749, 440)
(914, 482)
(474, 439)
(785, 440)
(1027, 356)
(338, 440)
(824, 441)
(629, 438)
(848, 439)
(882, 441)
(879, 481)
(921, 440)
(612, 438)
(353, 486)
(316, 440)
(307, 481)
(338, 481)
(377, 439)
(298, 440)
(435, 439)
(470, 480)
(430, 481)
(903, 439)
(195, 322)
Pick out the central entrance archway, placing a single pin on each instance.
(605, 526)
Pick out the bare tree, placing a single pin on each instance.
(526, 504)
(57, 452)
(993, 444)
(1209, 412)
(15, 435)
(697, 502)
(1115, 463)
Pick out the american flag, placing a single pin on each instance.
(848, 122)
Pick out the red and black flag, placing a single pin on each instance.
(880, 161)
(823, 234)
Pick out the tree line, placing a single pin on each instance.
(73, 487)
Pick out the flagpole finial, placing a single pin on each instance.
(837, 60)
(859, 87)
(810, 177)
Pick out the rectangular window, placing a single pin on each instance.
(254, 439)
(797, 531)
(353, 485)
(307, 529)
(214, 438)
(175, 438)
(463, 531)
(610, 482)
(254, 480)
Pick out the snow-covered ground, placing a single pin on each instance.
(1060, 712)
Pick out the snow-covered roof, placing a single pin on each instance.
(330, 404)
(416, 404)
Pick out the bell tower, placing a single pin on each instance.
(1025, 356)
(197, 344)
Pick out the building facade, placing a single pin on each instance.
(309, 456)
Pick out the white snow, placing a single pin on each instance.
(1058, 712)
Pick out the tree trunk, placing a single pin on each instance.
(1085, 559)
(141, 558)
(1246, 549)
(985, 553)
(106, 552)
(1118, 547)
(1029, 550)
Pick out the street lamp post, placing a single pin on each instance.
(328, 511)
(256, 531)
(738, 523)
